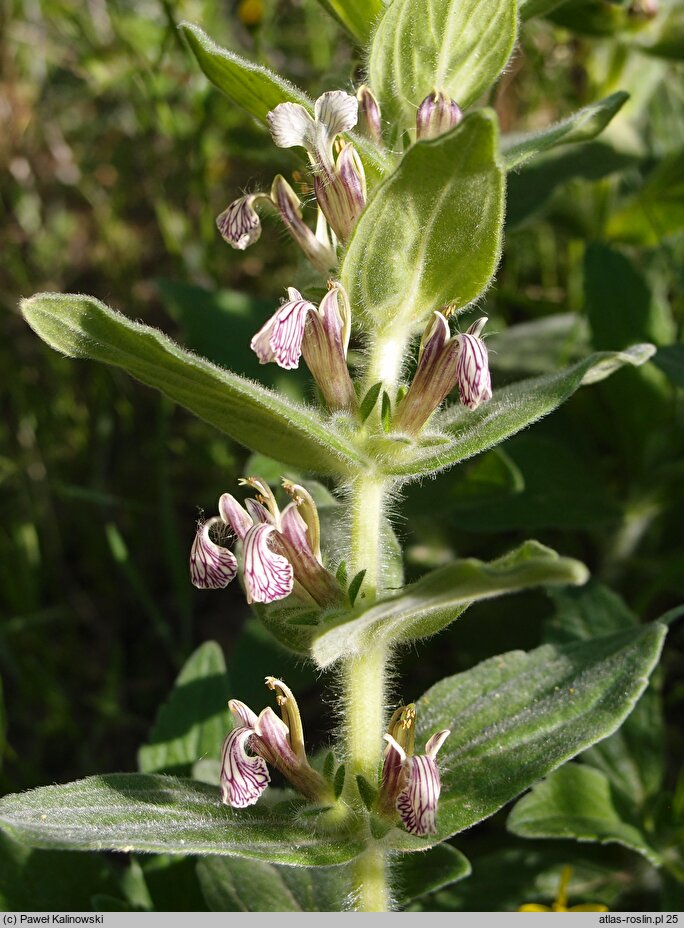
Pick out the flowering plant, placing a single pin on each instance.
(408, 179)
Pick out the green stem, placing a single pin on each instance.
(386, 358)
(370, 882)
(364, 684)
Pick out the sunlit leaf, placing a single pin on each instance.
(82, 327)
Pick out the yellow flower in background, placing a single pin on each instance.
(561, 902)
(250, 12)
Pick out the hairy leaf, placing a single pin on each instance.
(464, 433)
(233, 885)
(82, 327)
(431, 234)
(167, 815)
(194, 721)
(259, 90)
(456, 46)
(357, 16)
(439, 598)
(516, 717)
(577, 802)
(583, 125)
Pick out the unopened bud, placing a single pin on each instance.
(369, 114)
(319, 252)
(437, 114)
(341, 194)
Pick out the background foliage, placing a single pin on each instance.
(117, 156)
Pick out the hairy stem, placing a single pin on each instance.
(364, 678)
(386, 358)
(370, 882)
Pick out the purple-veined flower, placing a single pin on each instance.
(239, 223)
(472, 370)
(437, 114)
(212, 566)
(280, 339)
(410, 783)
(320, 333)
(444, 362)
(280, 550)
(339, 184)
(256, 741)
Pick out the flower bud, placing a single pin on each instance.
(443, 363)
(369, 113)
(325, 349)
(437, 114)
(341, 193)
(317, 248)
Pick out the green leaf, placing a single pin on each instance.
(232, 885)
(259, 90)
(577, 802)
(516, 717)
(439, 598)
(251, 86)
(633, 758)
(421, 874)
(431, 234)
(670, 360)
(193, 723)
(665, 38)
(43, 881)
(531, 872)
(167, 815)
(582, 126)
(369, 401)
(357, 16)
(338, 782)
(657, 210)
(355, 586)
(540, 346)
(531, 187)
(456, 46)
(82, 327)
(463, 433)
(367, 792)
(619, 303)
(530, 8)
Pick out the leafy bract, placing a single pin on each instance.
(167, 815)
(577, 802)
(431, 234)
(456, 46)
(583, 125)
(436, 600)
(516, 717)
(82, 327)
(463, 433)
(194, 721)
(257, 89)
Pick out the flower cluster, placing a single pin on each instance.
(410, 783)
(281, 552)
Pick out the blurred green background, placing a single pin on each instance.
(115, 157)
